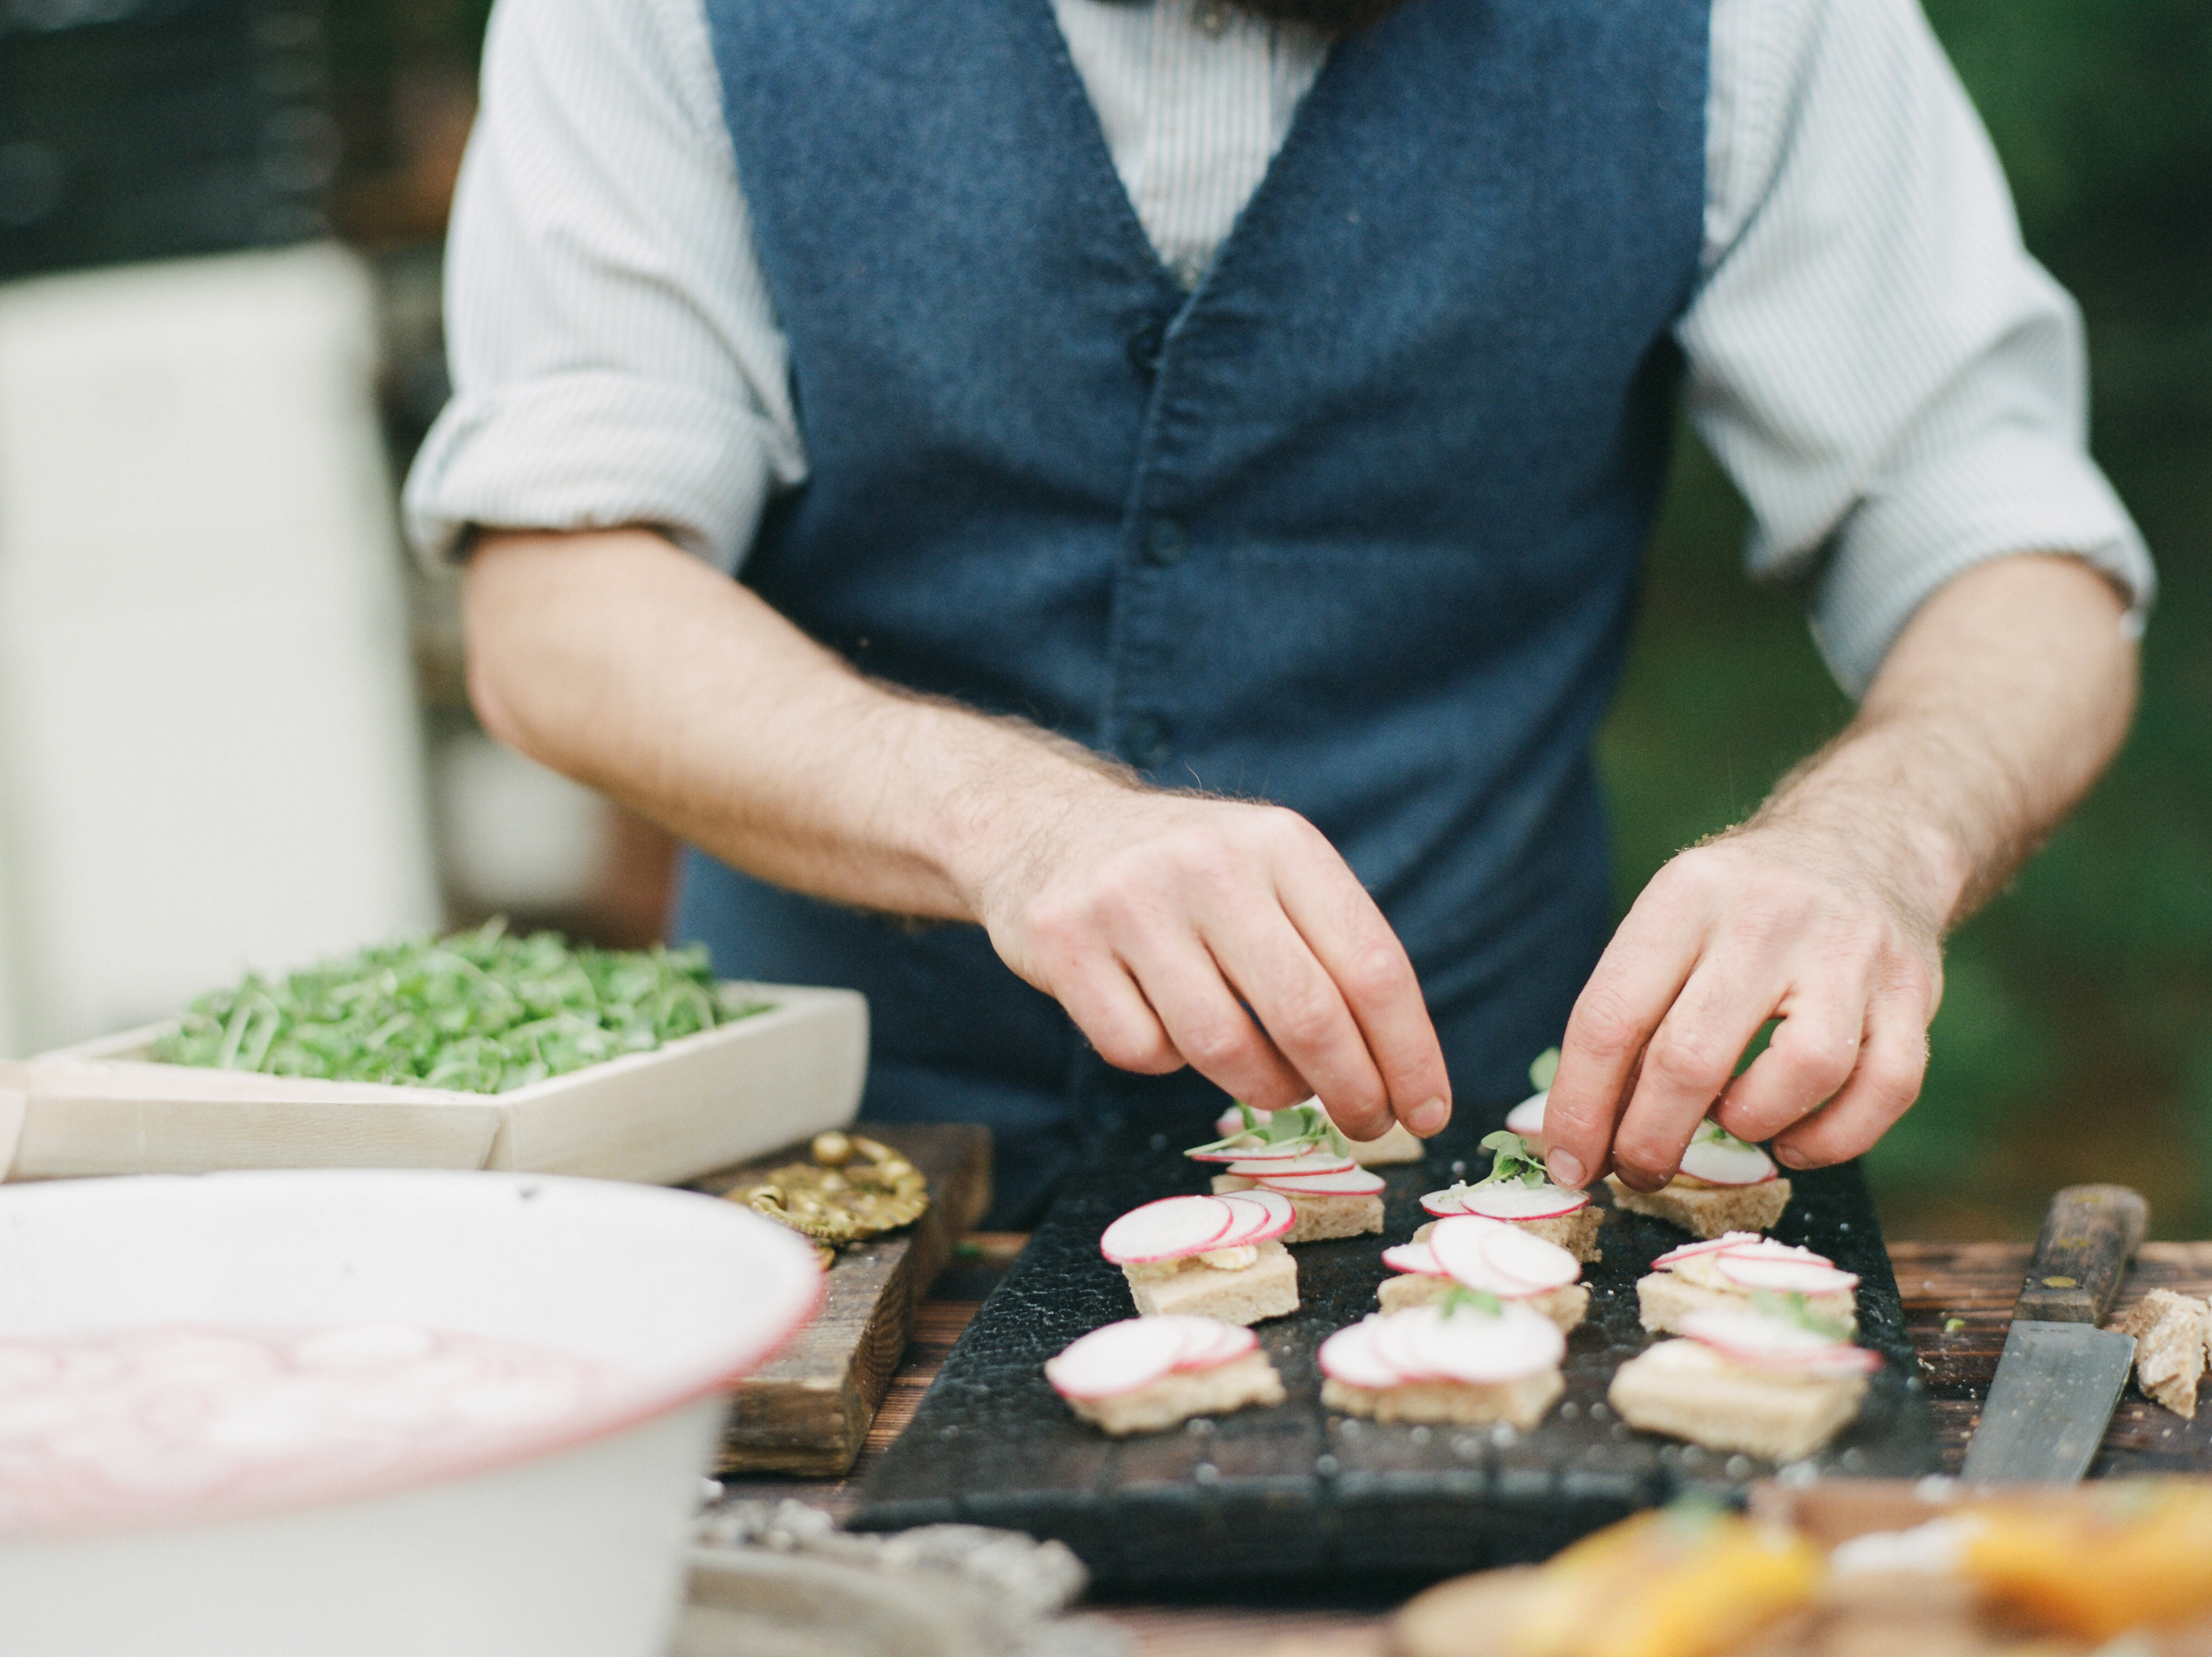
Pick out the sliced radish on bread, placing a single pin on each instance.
(1169, 1228)
(1350, 1357)
(1138, 1351)
(1418, 1259)
(1306, 1162)
(1712, 1245)
(1718, 1163)
(1262, 1218)
(1785, 1277)
(1504, 1201)
(1760, 1342)
(1492, 1255)
(1446, 1202)
(1349, 1182)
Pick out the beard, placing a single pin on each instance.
(1330, 17)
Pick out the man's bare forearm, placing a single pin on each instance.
(1174, 929)
(621, 662)
(2004, 698)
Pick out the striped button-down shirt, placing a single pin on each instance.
(1896, 387)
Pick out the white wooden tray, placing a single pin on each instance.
(685, 1109)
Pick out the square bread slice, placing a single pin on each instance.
(1706, 1211)
(1174, 1398)
(1397, 1145)
(1319, 1217)
(1688, 1391)
(2170, 1331)
(1566, 1306)
(1665, 1298)
(1575, 1233)
(1462, 1403)
(1266, 1288)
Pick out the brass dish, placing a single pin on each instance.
(855, 1189)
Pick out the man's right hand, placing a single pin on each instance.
(1175, 930)
(1229, 937)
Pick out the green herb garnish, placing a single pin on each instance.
(1545, 1067)
(478, 1012)
(1513, 1160)
(1795, 1308)
(1460, 1298)
(1711, 1132)
(1300, 1124)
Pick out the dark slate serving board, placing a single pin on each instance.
(1274, 1494)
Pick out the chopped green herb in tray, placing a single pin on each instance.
(478, 1012)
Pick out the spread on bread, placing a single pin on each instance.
(1144, 1374)
(1219, 1256)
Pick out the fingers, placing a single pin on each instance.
(1392, 1045)
(1301, 1009)
(1812, 1053)
(1114, 1018)
(1636, 980)
(1892, 1060)
(1209, 1028)
(1688, 1061)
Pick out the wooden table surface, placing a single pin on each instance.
(1958, 1301)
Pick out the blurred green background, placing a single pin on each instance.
(2075, 1040)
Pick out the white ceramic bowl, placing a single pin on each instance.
(569, 1546)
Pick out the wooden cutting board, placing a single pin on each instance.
(1297, 1494)
(808, 1411)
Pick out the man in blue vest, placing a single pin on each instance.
(1185, 465)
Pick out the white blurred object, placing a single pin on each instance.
(517, 835)
(209, 753)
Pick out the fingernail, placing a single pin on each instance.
(1788, 1158)
(1430, 1117)
(1564, 1167)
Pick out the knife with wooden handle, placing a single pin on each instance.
(2059, 1375)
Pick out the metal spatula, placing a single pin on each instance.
(2059, 1375)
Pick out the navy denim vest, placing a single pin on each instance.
(1354, 528)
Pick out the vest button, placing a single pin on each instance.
(1144, 347)
(1165, 541)
(1145, 742)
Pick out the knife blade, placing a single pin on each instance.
(2060, 1376)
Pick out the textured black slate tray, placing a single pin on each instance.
(1275, 1494)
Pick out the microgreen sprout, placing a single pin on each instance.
(1711, 1132)
(1300, 1125)
(1459, 1298)
(1514, 1161)
(477, 1012)
(1545, 1067)
(1795, 1308)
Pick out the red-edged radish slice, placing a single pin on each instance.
(1445, 1203)
(1523, 1257)
(1245, 1223)
(1280, 1215)
(1503, 1202)
(1418, 1259)
(1350, 1357)
(1311, 1162)
(1719, 1164)
(1456, 1242)
(1166, 1230)
(1396, 1347)
(1352, 1182)
(1232, 1121)
(1210, 1343)
(1527, 1117)
(1118, 1358)
(1234, 1154)
(1766, 1248)
(1770, 1343)
(1785, 1277)
(1712, 1245)
(1480, 1348)
(1288, 1151)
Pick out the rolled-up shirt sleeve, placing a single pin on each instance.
(1897, 388)
(615, 356)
